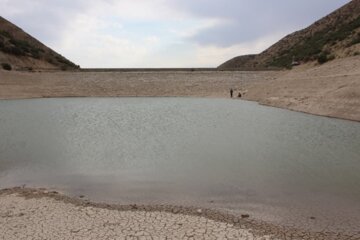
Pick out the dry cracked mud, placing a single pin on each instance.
(41, 214)
(46, 218)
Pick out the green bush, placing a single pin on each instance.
(6, 66)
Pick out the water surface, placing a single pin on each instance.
(277, 165)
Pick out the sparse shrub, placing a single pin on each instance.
(5, 34)
(14, 51)
(35, 53)
(322, 58)
(23, 45)
(331, 57)
(6, 66)
(356, 40)
(356, 53)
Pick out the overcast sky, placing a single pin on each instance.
(161, 33)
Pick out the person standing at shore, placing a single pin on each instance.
(231, 92)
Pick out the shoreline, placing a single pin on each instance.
(307, 113)
(194, 97)
(256, 229)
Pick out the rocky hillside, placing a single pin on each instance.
(19, 50)
(334, 36)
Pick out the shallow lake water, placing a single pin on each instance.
(279, 166)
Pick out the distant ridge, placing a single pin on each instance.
(335, 36)
(22, 51)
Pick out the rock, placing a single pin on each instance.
(199, 211)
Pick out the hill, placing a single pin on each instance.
(334, 36)
(21, 51)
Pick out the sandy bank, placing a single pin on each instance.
(332, 89)
(126, 84)
(40, 214)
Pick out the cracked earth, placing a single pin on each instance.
(42, 214)
(45, 218)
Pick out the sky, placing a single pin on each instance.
(161, 33)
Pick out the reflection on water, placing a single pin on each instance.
(278, 165)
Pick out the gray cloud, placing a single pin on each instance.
(242, 21)
(248, 20)
(44, 19)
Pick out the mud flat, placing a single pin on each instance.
(41, 214)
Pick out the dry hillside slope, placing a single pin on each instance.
(332, 89)
(22, 51)
(335, 36)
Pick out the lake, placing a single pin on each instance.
(277, 165)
